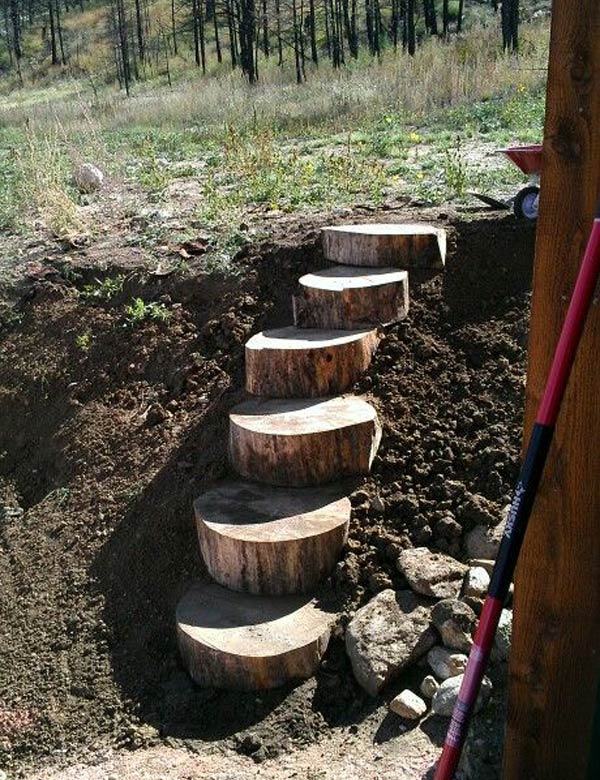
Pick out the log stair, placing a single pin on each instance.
(269, 539)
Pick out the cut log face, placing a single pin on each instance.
(295, 363)
(304, 441)
(244, 642)
(398, 245)
(271, 540)
(351, 297)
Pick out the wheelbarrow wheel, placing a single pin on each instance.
(525, 204)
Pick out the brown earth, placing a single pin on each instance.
(106, 440)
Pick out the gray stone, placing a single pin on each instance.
(476, 583)
(446, 664)
(485, 563)
(390, 632)
(445, 698)
(503, 636)
(484, 541)
(88, 178)
(455, 621)
(408, 705)
(430, 573)
(429, 686)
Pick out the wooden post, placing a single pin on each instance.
(555, 659)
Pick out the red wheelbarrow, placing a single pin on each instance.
(526, 202)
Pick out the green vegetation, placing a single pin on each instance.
(84, 341)
(138, 311)
(221, 159)
(103, 290)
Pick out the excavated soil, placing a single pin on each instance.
(106, 439)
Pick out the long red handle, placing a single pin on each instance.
(522, 504)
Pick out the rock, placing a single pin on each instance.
(430, 573)
(455, 621)
(390, 632)
(445, 698)
(3, 775)
(476, 583)
(484, 542)
(429, 686)
(485, 563)
(447, 528)
(503, 636)
(446, 664)
(408, 705)
(88, 178)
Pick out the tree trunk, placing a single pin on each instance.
(410, 27)
(314, 54)
(53, 50)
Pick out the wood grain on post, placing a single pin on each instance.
(295, 363)
(271, 540)
(388, 244)
(555, 657)
(243, 642)
(299, 442)
(351, 297)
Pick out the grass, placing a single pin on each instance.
(218, 157)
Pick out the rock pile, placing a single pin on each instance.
(433, 623)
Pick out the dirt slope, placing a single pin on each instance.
(105, 441)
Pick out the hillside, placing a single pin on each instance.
(125, 42)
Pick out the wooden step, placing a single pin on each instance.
(271, 540)
(295, 363)
(244, 642)
(391, 244)
(351, 297)
(298, 442)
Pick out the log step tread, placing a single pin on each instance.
(292, 338)
(263, 539)
(294, 362)
(403, 245)
(252, 512)
(346, 296)
(345, 277)
(301, 416)
(241, 641)
(300, 442)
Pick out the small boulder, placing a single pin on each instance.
(484, 541)
(446, 664)
(430, 573)
(408, 705)
(390, 632)
(476, 583)
(485, 563)
(429, 686)
(88, 178)
(455, 621)
(445, 698)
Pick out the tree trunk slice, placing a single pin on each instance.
(398, 245)
(243, 642)
(303, 442)
(294, 363)
(271, 540)
(350, 297)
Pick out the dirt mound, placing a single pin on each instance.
(109, 429)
